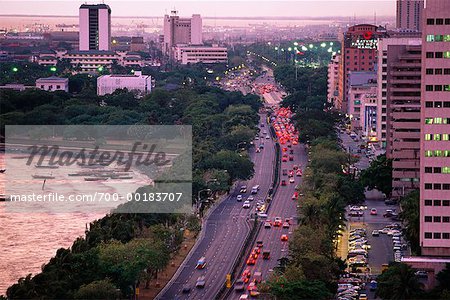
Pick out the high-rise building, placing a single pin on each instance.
(403, 116)
(409, 14)
(333, 78)
(435, 130)
(394, 38)
(181, 31)
(358, 53)
(95, 27)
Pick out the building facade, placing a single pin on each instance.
(186, 54)
(359, 53)
(403, 117)
(141, 84)
(333, 79)
(397, 39)
(52, 84)
(178, 30)
(409, 14)
(435, 130)
(95, 27)
(362, 96)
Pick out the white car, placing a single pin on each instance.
(246, 204)
(239, 197)
(267, 137)
(291, 180)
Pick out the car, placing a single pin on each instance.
(243, 189)
(284, 238)
(277, 222)
(261, 146)
(390, 202)
(246, 204)
(375, 233)
(291, 173)
(283, 182)
(267, 224)
(291, 158)
(299, 173)
(291, 180)
(246, 275)
(262, 124)
(285, 225)
(388, 213)
(259, 244)
(362, 297)
(294, 196)
(267, 137)
(186, 289)
(373, 211)
(239, 197)
(239, 285)
(200, 282)
(262, 215)
(291, 151)
(256, 138)
(201, 263)
(258, 150)
(251, 261)
(243, 297)
(285, 172)
(266, 254)
(250, 198)
(284, 159)
(421, 274)
(257, 250)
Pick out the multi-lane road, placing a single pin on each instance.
(225, 231)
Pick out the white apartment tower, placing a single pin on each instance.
(177, 31)
(95, 27)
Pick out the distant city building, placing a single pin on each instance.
(435, 131)
(91, 61)
(403, 117)
(16, 87)
(95, 27)
(333, 78)
(178, 30)
(359, 53)
(362, 96)
(186, 54)
(137, 44)
(395, 39)
(52, 84)
(409, 14)
(141, 84)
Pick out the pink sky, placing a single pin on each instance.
(209, 8)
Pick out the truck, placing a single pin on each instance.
(201, 263)
(266, 254)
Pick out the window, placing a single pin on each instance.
(438, 55)
(437, 137)
(438, 71)
(429, 88)
(430, 55)
(445, 219)
(445, 202)
(437, 170)
(428, 235)
(428, 137)
(437, 235)
(428, 186)
(430, 21)
(428, 153)
(439, 21)
(446, 153)
(428, 170)
(428, 202)
(437, 219)
(447, 21)
(447, 87)
(438, 104)
(438, 38)
(429, 71)
(430, 37)
(446, 235)
(446, 71)
(429, 103)
(437, 186)
(446, 54)
(446, 170)
(428, 219)
(438, 153)
(437, 203)
(446, 186)
(428, 121)
(447, 38)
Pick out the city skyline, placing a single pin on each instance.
(311, 9)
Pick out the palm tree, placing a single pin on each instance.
(399, 282)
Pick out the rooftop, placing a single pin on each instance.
(52, 78)
(95, 6)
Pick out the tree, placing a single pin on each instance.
(398, 282)
(378, 175)
(101, 289)
(410, 215)
(444, 278)
(300, 289)
(239, 167)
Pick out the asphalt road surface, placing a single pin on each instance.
(225, 231)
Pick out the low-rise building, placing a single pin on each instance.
(53, 83)
(141, 84)
(186, 54)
